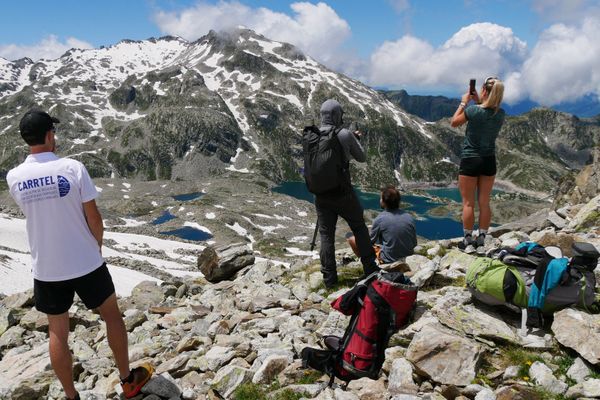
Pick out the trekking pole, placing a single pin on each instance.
(314, 239)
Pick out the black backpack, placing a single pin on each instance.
(325, 169)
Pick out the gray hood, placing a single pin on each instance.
(331, 113)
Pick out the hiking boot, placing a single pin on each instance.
(480, 241)
(466, 242)
(138, 377)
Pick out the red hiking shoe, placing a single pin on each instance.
(136, 380)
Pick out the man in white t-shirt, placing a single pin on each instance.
(65, 230)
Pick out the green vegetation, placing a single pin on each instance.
(461, 281)
(251, 391)
(309, 377)
(347, 277)
(521, 357)
(272, 246)
(592, 219)
(564, 363)
(546, 395)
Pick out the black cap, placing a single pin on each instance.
(35, 124)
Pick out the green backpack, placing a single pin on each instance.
(487, 279)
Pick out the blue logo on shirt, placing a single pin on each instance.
(63, 186)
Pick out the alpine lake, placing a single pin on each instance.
(433, 227)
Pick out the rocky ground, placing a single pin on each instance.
(240, 338)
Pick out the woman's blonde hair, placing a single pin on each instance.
(495, 90)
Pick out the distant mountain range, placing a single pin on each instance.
(433, 108)
(177, 110)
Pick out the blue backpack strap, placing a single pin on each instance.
(554, 271)
(528, 246)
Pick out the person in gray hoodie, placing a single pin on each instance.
(342, 202)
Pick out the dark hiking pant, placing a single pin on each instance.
(347, 206)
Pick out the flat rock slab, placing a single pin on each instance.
(444, 356)
(579, 331)
(474, 322)
(20, 367)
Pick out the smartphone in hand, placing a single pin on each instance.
(472, 86)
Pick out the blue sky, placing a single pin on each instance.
(544, 49)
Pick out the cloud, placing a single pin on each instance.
(565, 10)
(314, 28)
(400, 5)
(48, 48)
(475, 51)
(563, 65)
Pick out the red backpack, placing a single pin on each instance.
(379, 305)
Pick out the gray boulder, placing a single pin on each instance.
(579, 331)
(443, 356)
(230, 378)
(270, 368)
(221, 263)
(542, 375)
(19, 300)
(162, 386)
(578, 371)
(473, 322)
(589, 389)
(7, 319)
(401, 378)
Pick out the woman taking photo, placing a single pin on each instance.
(478, 158)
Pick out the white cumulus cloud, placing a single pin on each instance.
(563, 65)
(314, 28)
(476, 51)
(51, 47)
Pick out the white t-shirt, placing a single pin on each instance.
(51, 192)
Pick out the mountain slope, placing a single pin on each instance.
(171, 109)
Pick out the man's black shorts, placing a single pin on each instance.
(57, 297)
(476, 166)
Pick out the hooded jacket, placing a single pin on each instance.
(332, 116)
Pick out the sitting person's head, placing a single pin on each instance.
(390, 198)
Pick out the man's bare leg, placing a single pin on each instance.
(60, 355)
(116, 333)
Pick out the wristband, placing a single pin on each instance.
(462, 104)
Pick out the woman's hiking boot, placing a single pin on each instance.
(467, 244)
(480, 241)
(138, 377)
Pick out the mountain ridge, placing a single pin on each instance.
(434, 107)
(171, 109)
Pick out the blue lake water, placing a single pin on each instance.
(427, 226)
(189, 233)
(452, 193)
(166, 216)
(187, 196)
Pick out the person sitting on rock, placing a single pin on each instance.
(65, 231)
(393, 233)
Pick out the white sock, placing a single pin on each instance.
(468, 232)
(483, 232)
